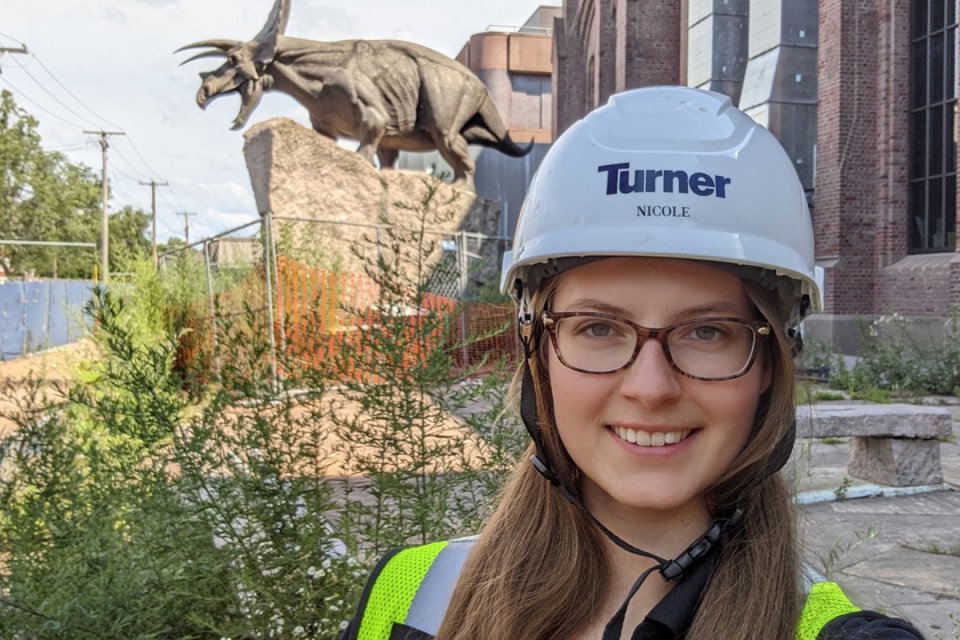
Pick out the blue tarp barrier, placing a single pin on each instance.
(38, 315)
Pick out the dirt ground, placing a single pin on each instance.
(56, 366)
(53, 366)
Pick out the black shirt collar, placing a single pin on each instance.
(671, 617)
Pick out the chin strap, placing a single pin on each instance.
(673, 569)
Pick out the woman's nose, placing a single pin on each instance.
(651, 379)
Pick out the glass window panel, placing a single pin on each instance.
(936, 68)
(934, 199)
(918, 215)
(936, 14)
(951, 12)
(949, 60)
(950, 213)
(918, 20)
(950, 141)
(918, 146)
(935, 239)
(935, 138)
(918, 74)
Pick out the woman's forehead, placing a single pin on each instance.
(643, 271)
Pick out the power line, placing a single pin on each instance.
(177, 197)
(69, 93)
(142, 159)
(128, 164)
(22, 49)
(50, 93)
(69, 147)
(38, 105)
(33, 57)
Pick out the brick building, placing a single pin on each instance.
(862, 94)
(602, 47)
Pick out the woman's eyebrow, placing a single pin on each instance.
(717, 307)
(592, 304)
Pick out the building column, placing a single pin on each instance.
(845, 210)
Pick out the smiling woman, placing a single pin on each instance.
(657, 389)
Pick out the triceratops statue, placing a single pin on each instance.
(389, 95)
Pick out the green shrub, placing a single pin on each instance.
(893, 360)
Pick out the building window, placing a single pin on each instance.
(933, 167)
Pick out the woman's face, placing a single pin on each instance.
(647, 437)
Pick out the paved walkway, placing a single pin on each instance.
(898, 554)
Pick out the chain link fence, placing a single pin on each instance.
(301, 284)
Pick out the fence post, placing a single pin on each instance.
(280, 308)
(268, 281)
(25, 346)
(462, 266)
(213, 310)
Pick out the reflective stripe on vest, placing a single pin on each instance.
(415, 586)
(414, 589)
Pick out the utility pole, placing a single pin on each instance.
(104, 221)
(20, 49)
(186, 225)
(153, 207)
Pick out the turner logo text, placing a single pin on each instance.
(621, 179)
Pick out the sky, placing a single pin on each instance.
(110, 65)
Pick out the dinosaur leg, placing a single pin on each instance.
(387, 158)
(372, 126)
(453, 147)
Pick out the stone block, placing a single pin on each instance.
(330, 199)
(897, 462)
(873, 420)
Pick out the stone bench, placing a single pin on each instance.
(891, 444)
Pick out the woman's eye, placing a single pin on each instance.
(598, 330)
(707, 332)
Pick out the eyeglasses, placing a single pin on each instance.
(701, 348)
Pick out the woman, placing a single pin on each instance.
(661, 263)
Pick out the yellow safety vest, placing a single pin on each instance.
(414, 587)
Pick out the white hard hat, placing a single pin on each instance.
(668, 172)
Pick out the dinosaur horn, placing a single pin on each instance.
(276, 22)
(204, 54)
(269, 36)
(221, 45)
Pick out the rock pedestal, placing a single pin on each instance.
(298, 175)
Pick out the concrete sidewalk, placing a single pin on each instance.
(897, 554)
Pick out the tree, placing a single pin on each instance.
(44, 196)
(128, 241)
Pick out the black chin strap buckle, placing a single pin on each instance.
(700, 547)
(673, 569)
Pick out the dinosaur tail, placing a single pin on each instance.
(488, 130)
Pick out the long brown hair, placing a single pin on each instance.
(539, 569)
